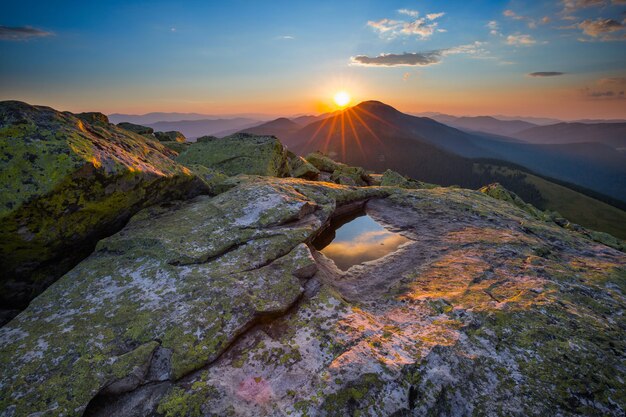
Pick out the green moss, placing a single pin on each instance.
(239, 154)
(354, 395)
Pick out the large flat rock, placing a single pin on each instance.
(218, 306)
(165, 296)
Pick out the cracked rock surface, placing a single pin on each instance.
(219, 306)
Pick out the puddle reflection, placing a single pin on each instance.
(353, 240)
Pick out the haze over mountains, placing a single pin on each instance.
(445, 149)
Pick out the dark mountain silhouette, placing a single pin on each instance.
(377, 136)
(612, 134)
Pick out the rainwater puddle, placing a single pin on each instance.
(354, 239)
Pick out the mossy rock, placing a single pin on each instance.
(301, 168)
(340, 173)
(139, 129)
(497, 191)
(394, 179)
(239, 154)
(171, 136)
(186, 278)
(67, 183)
(322, 162)
(93, 117)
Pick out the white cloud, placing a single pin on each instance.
(409, 12)
(434, 16)
(423, 27)
(520, 40)
(416, 59)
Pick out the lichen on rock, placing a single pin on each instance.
(239, 154)
(67, 182)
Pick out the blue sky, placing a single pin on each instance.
(461, 57)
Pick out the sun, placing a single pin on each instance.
(342, 98)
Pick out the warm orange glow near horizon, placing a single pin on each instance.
(342, 98)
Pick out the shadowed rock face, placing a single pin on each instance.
(218, 306)
(68, 181)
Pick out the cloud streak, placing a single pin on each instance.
(415, 59)
(546, 74)
(22, 33)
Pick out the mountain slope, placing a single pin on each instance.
(486, 124)
(612, 134)
(383, 132)
(280, 127)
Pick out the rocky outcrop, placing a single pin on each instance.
(171, 136)
(239, 154)
(339, 173)
(67, 181)
(219, 306)
(138, 129)
(301, 168)
(394, 179)
(181, 282)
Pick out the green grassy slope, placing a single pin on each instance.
(576, 207)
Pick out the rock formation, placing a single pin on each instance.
(219, 305)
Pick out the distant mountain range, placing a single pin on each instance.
(150, 118)
(486, 124)
(377, 136)
(612, 134)
(193, 129)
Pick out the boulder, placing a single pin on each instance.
(139, 129)
(93, 118)
(301, 168)
(394, 179)
(164, 297)
(239, 154)
(66, 183)
(340, 173)
(171, 136)
(322, 162)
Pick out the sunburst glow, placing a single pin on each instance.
(342, 98)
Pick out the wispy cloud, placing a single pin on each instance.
(546, 74)
(520, 40)
(433, 16)
(422, 27)
(611, 88)
(406, 59)
(286, 37)
(572, 6)
(531, 22)
(22, 33)
(494, 27)
(512, 15)
(416, 59)
(409, 12)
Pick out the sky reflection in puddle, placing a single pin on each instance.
(350, 241)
